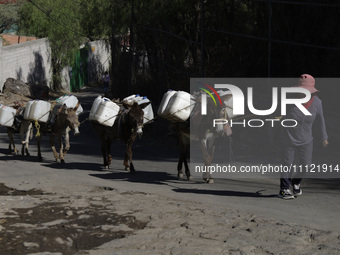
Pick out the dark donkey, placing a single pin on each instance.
(202, 132)
(63, 120)
(127, 126)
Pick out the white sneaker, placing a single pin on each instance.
(297, 190)
(286, 194)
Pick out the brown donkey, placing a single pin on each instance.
(63, 121)
(201, 131)
(127, 126)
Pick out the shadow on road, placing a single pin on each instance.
(11, 157)
(228, 193)
(138, 177)
(161, 178)
(75, 166)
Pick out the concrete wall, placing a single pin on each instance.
(98, 61)
(29, 62)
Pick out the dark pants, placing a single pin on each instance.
(304, 155)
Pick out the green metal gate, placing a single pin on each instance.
(78, 74)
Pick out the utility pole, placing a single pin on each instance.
(202, 39)
(113, 52)
(269, 36)
(131, 41)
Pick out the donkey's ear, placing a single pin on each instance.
(62, 109)
(144, 105)
(126, 106)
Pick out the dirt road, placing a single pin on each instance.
(80, 208)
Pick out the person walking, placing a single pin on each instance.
(106, 82)
(298, 140)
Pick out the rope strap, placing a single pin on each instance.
(37, 126)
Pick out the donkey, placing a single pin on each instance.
(128, 124)
(25, 131)
(201, 131)
(62, 122)
(24, 128)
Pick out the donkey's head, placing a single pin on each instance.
(136, 115)
(216, 114)
(223, 128)
(70, 118)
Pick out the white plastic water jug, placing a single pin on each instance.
(70, 101)
(94, 107)
(148, 112)
(37, 110)
(107, 112)
(28, 109)
(138, 98)
(7, 116)
(180, 106)
(162, 109)
(129, 99)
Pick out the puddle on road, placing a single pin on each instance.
(57, 227)
(6, 191)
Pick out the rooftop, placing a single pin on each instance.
(15, 39)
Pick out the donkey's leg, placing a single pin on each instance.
(183, 161)
(182, 155)
(108, 149)
(211, 152)
(25, 132)
(11, 142)
(67, 141)
(179, 166)
(38, 145)
(204, 155)
(187, 170)
(55, 154)
(128, 156)
(186, 145)
(103, 147)
(207, 153)
(61, 149)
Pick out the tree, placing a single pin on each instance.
(9, 15)
(57, 20)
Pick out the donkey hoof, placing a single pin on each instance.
(62, 161)
(106, 167)
(210, 181)
(180, 175)
(189, 178)
(127, 169)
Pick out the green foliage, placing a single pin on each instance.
(9, 15)
(57, 20)
(167, 36)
